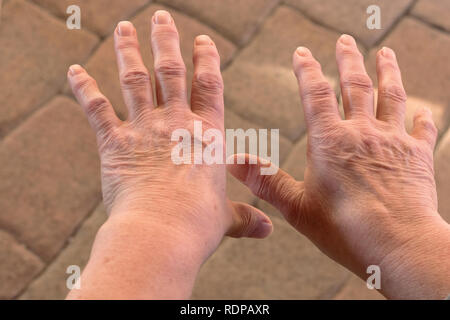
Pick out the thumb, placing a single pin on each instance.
(279, 189)
(249, 222)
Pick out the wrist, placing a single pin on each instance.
(189, 218)
(156, 233)
(141, 259)
(418, 269)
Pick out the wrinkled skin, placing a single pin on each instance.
(137, 171)
(180, 209)
(368, 195)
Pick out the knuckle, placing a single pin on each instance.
(427, 125)
(82, 83)
(248, 223)
(393, 92)
(170, 68)
(96, 105)
(264, 187)
(162, 33)
(371, 143)
(309, 64)
(127, 43)
(271, 187)
(135, 78)
(358, 81)
(317, 91)
(389, 65)
(351, 53)
(210, 82)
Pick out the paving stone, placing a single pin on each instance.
(51, 284)
(235, 189)
(234, 121)
(442, 175)
(19, 266)
(260, 84)
(422, 55)
(350, 16)
(37, 49)
(102, 65)
(433, 11)
(356, 289)
(295, 165)
(235, 19)
(50, 177)
(284, 266)
(100, 16)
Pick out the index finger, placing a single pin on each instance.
(318, 98)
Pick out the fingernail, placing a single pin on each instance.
(203, 40)
(346, 39)
(302, 51)
(426, 110)
(264, 228)
(387, 52)
(125, 28)
(75, 69)
(162, 17)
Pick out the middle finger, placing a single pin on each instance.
(170, 71)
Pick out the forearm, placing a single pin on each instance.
(136, 259)
(421, 268)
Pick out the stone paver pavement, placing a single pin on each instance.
(19, 266)
(50, 176)
(51, 284)
(98, 16)
(349, 16)
(274, 268)
(36, 53)
(50, 208)
(435, 12)
(235, 19)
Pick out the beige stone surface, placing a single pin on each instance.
(422, 55)
(436, 12)
(350, 16)
(234, 121)
(99, 16)
(36, 51)
(260, 84)
(51, 284)
(102, 65)
(284, 266)
(235, 19)
(18, 267)
(50, 177)
(237, 191)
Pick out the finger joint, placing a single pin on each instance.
(209, 82)
(135, 78)
(171, 69)
(357, 81)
